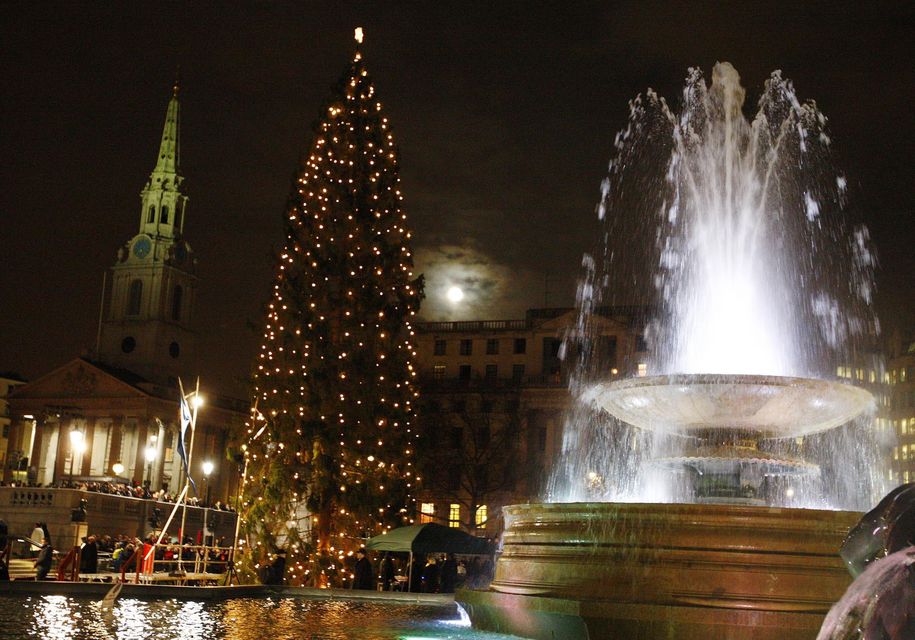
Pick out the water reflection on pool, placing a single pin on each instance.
(63, 617)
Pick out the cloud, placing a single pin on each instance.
(492, 290)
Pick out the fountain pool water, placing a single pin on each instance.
(666, 516)
(53, 617)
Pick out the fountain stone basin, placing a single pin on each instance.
(602, 571)
(766, 406)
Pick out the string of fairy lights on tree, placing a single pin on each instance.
(330, 443)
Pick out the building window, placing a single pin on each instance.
(520, 346)
(438, 372)
(426, 512)
(439, 347)
(482, 515)
(151, 216)
(517, 372)
(177, 294)
(641, 344)
(492, 347)
(134, 298)
(464, 372)
(163, 217)
(642, 370)
(466, 347)
(552, 363)
(454, 515)
(492, 372)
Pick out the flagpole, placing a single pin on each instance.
(187, 482)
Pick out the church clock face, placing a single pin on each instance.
(141, 247)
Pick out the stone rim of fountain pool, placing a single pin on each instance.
(768, 406)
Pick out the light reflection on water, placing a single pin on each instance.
(65, 618)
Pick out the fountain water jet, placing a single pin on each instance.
(760, 290)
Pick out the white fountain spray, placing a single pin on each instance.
(757, 272)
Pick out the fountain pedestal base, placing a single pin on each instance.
(652, 571)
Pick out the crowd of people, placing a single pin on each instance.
(135, 490)
(434, 573)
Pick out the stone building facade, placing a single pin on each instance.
(493, 400)
(114, 414)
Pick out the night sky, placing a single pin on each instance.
(505, 114)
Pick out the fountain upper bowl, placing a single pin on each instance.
(767, 406)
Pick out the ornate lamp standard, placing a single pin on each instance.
(77, 446)
(150, 454)
(207, 470)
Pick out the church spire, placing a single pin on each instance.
(162, 211)
(170, 147)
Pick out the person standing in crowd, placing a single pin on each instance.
(45, 555)
(387, 572)
(363, 576)
(449, 574)
(88, 556)
(430, 576)
(4, 552)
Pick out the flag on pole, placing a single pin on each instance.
(182, 452)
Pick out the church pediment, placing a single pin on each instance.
(79, 379)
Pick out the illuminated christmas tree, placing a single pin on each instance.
(330, 442)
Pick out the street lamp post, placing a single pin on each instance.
(207, 470)
(77, 446)
(150, 458)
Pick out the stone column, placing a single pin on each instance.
(117, 434)
(139, 468)
(89, 441)
(60, 456)
(12, 444)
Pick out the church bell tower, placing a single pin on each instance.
(147, 314)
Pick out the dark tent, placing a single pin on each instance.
(429, 538)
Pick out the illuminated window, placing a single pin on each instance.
(643, 369)
(438, 372)
(454, 515)
(895, 453)
(906, 476)
(426, 512)
(439, 348)
(905, 452)
(483, 514)
(492, 347)
(903, 426)
(902, 374)
(860, 374)
(872, 376)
